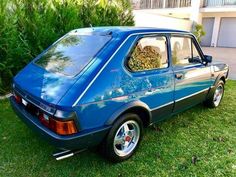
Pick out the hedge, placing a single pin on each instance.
(27, 27)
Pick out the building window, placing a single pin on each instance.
(156, 4)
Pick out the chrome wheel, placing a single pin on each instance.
(218, 95)
(126, 138)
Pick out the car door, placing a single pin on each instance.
(192, 77)
(150, 69)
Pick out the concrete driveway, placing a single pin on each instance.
(226, 55)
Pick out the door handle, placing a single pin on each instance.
(178, 76)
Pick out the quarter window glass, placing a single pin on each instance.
(149, 53)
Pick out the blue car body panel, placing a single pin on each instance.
(105, 87)
(42, 84)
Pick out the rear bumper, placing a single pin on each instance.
(80, 140)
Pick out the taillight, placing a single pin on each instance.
(59, 127)
(62, 127)
(44, 119)
(18, 98)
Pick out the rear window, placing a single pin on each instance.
(72, 53)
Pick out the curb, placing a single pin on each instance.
(5, 96)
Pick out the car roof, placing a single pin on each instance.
(127, 30)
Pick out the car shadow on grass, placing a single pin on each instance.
(174, 123)
(163, 143)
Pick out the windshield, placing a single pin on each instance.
(72, 53)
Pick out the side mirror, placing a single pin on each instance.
(194, 60)
(208, 58)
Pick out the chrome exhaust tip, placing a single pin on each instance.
(66, 154)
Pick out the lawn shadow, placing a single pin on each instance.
(161, 145)
(179, 120)
(34, 141)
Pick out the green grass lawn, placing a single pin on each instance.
(197, 142)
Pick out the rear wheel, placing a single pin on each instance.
(215, 99)
(123, 138)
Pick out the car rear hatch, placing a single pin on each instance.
(38, 84)
(50, 76)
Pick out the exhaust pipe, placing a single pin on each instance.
(66, 154)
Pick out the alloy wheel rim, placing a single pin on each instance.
(218, 95)
(126, 138)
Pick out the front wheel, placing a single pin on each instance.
(215, 99)
(123, 138)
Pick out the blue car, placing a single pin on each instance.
(102, 86)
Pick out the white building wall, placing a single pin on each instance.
(195, 8)
(177, 18)
(144, 18)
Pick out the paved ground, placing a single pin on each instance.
(227, 55)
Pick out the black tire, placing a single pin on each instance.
(108, 147)
(211, 102)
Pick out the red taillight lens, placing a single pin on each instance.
(18, 98)
(44, 119)
(62, 127)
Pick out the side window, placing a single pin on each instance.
(149, 53)
(183, 51)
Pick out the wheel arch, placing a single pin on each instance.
(136, 107)
(220, 77)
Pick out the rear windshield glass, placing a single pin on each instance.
(72, 53)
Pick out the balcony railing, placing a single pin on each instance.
(157, 4)
(215, 3)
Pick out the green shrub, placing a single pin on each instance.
(199, 32)
(29, 26)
